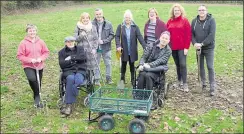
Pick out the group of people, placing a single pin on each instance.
(94, 37)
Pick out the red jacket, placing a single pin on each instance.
(180, 33)
(28, 50)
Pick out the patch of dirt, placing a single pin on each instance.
(228, 97)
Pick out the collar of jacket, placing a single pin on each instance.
(27, 38)
(132, 23)
(68, 49)
(104, 21)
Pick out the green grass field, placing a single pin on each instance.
(18, 114)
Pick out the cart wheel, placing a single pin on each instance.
(137, 126)
(59, 103)
(166, 89)
(160, 102)
(106, 122)
(86, 101)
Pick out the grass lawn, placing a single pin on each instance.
(18, 114)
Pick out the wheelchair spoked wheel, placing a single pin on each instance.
(60, 103)
(166, 89)
(160, 102)
(86, 101)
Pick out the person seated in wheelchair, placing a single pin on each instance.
(72, 61)
(155, 55)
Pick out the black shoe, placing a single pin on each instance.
(40, 105)
(204, 87)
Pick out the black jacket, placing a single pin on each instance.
(155, 57)
(135, 35)
(77, 63)
(204, 32)
(107, 34)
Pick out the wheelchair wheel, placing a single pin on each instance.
(166, 89)
(160, 102)
(106, 122)
(60, 103)
(137, 126)
(86, 101)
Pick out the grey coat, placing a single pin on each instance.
(161, 58)
(135, 35)
(93, 44)
(107, 34)
(204, 32)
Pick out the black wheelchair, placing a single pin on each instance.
(87, 86)
(160, 85)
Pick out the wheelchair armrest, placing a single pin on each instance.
(160, 68)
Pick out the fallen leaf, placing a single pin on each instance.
(209, 129)
(45, 129)
(177, 118)
(166, 126)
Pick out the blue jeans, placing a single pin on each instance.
(107, 60)
(72, 82)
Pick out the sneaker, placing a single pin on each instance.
(178, 84)
(97, 83)
(185, 88)
(68, 109)
(109, 81)
(40, 105)
(212, 93)
(204, 87)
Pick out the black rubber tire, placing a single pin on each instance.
(161, 102)
(106, 122)
(137, 124)
(166, 90)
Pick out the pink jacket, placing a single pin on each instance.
(28, 50)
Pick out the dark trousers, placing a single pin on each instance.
(180, 62)
(31, 76)
(72, 82)
(146, 78)
(209, 55)
(123, 70)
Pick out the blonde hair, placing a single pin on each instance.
(182, 10)
(154, 11)
(128, 12)
(30, 26)
(82, 16)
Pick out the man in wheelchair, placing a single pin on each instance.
(72, 61)
(153, 61)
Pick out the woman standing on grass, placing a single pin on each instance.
(154, 27)
(32, 52)
(86, 36)
(180, 31)
(126, 38)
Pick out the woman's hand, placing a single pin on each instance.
(119, 49)
(185, 51)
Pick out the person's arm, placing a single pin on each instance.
(146, 54)
(44, 51)
(193, 39)
(62, 62)
(163, 59)
(145, 33)
(163, 27)
(77, 34)
(117, 36)
(111, 35)
(211, 35)
(21, 55)
(95, 38)
(140, 38)
(187, 35)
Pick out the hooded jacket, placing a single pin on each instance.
(204, 32)
(28, 51)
